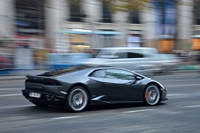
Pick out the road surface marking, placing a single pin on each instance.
(9, 95)
(20, 106)
(171, 95)
(3, 89)
(60, 118)
(174, 96)
(135, 111)
(182, 85)
(191, 106)
(177, 80)
(11, 85)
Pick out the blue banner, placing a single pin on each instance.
(165, 12)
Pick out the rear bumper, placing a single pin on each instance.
(46, 98)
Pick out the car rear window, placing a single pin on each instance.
(64, 70)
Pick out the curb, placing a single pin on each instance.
(186, 71)
(189, 68)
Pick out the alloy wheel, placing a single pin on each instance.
(78, 99)
(152, 95)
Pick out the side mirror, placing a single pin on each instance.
(138, 77)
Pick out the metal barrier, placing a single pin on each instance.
(6, 61)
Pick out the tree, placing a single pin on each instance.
(127, 5)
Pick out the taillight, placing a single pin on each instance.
(41, 80)
(52, 82)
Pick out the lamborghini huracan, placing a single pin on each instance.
(78, 87)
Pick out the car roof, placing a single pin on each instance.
(71, 70)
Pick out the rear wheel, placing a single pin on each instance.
(77, 100)
(152, 95)
(165, 69)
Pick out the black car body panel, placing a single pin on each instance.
(57, 84)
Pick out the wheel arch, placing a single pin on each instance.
(155, 83)
(82, 85)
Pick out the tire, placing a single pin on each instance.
(77, 100)
(153, 71)
(152, 95)
(165, 70)
(39, 104)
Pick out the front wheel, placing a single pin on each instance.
(152, 95)
(77, 100)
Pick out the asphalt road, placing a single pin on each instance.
(179, 114)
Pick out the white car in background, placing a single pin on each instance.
(138, 59)
(167, 62)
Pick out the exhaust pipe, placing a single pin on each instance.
(54, 99)
(51, 98)
(48, 98)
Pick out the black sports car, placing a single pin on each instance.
(77, 87)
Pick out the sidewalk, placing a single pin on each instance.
(18, 75)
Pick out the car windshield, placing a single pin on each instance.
(105, 53)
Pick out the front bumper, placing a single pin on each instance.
(164, 94)
(45, 98)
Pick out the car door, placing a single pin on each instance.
(121, 60)
(97, 88)
(121, 85)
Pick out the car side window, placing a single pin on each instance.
(135, 55)
(121, 54)
(98, 73)
(119, 74)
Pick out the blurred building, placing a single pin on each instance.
(44, 18)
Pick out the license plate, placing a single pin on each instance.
(35, 95)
